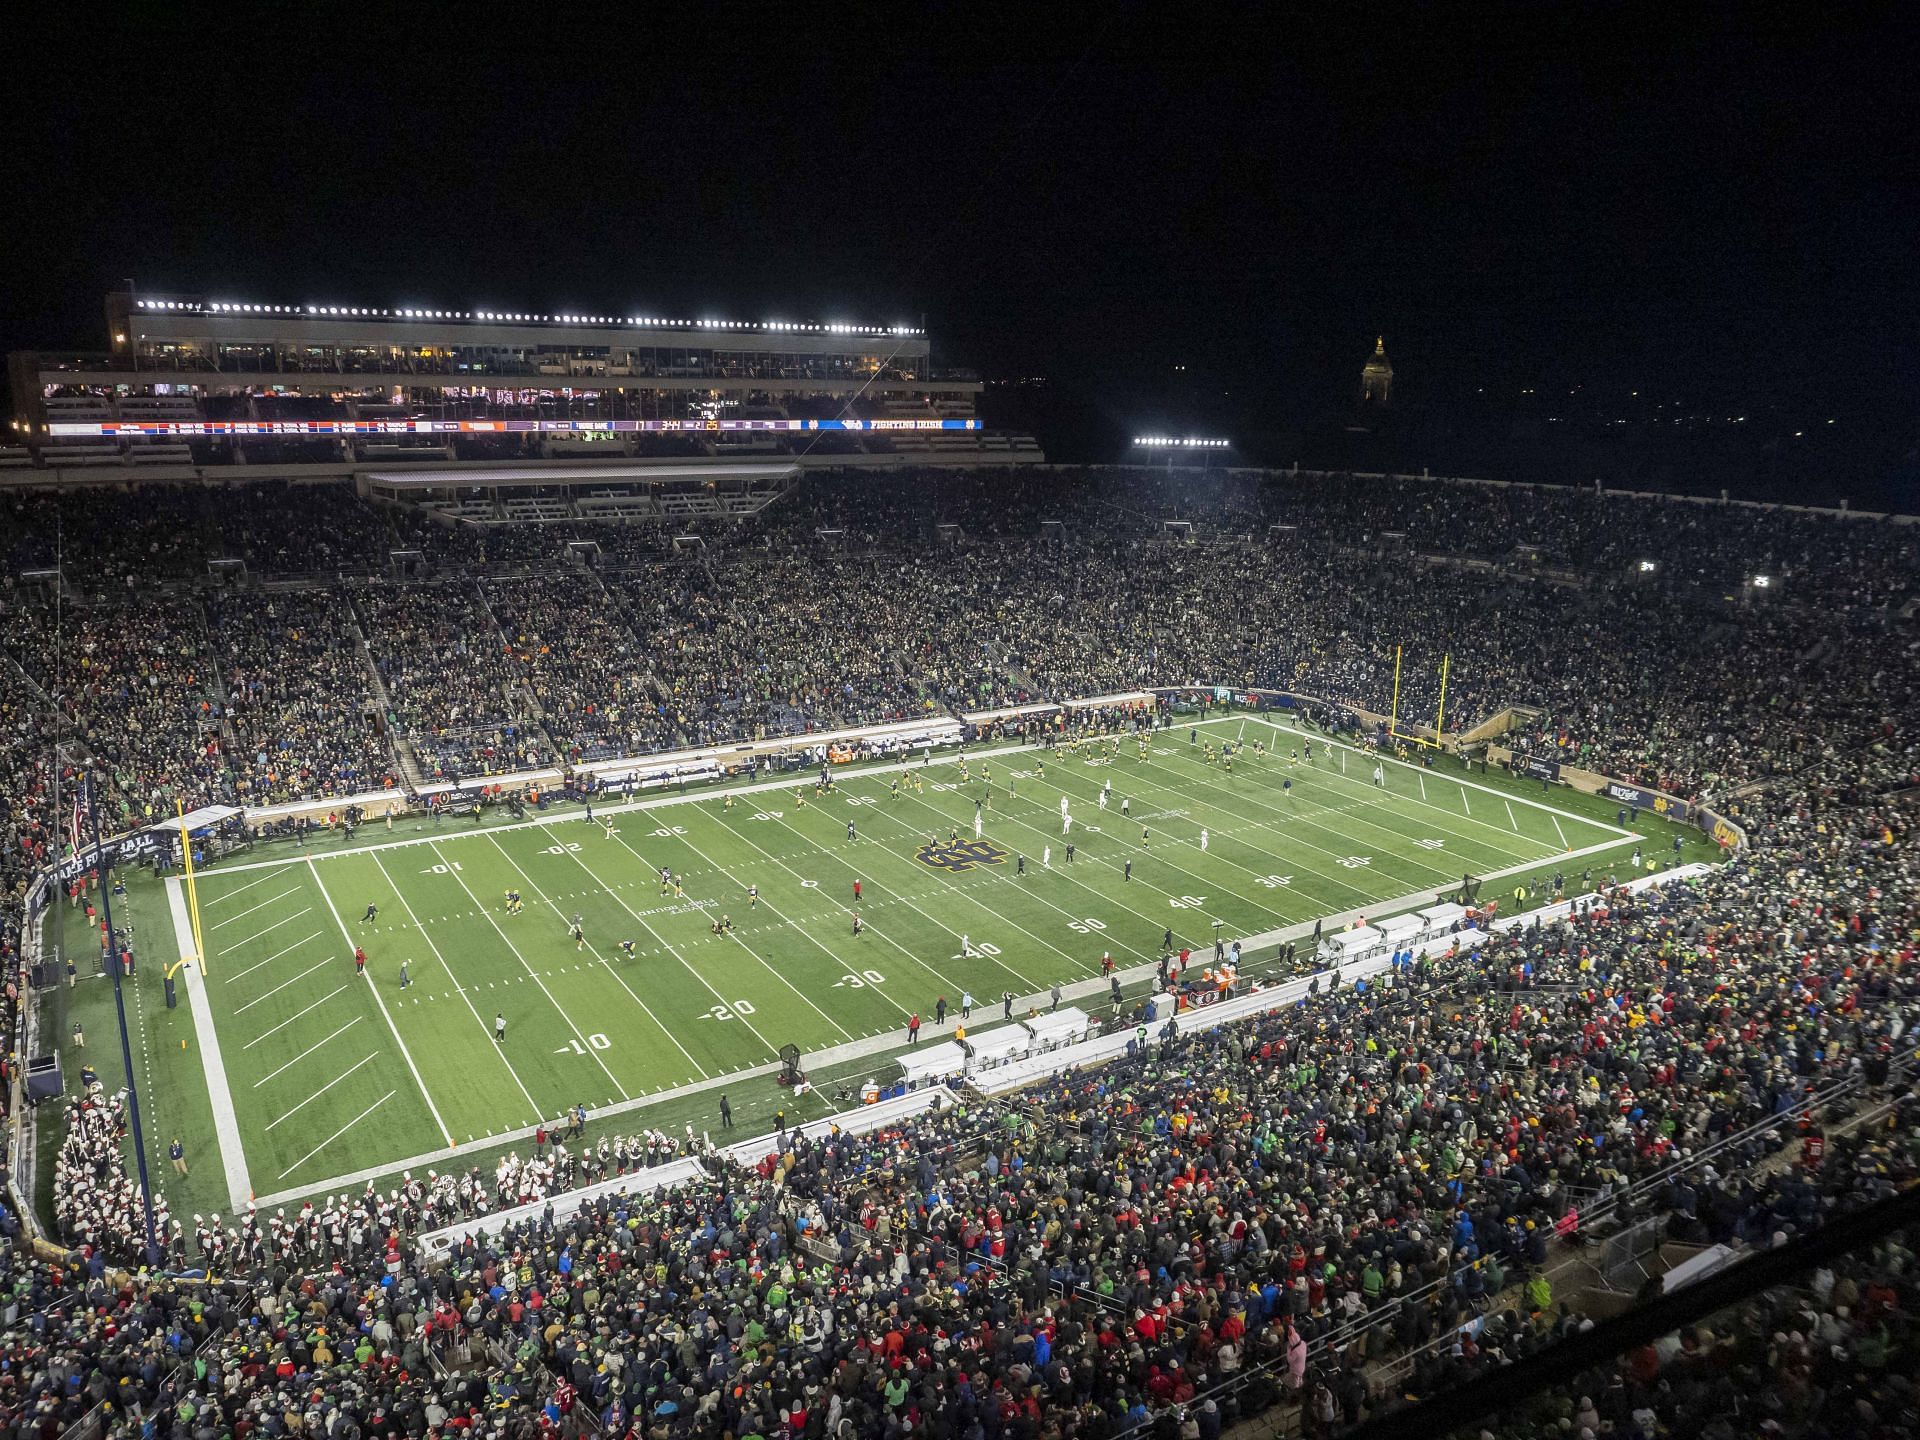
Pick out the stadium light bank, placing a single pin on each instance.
(1180, 450)
(226, 307)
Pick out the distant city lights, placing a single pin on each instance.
(1171, 442)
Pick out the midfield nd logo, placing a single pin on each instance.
(962, 857)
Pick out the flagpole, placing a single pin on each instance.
(103, 859)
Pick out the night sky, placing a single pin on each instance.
(1717, 210)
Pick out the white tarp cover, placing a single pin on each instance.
(200, 819)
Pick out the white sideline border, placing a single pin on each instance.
(888, 1041)
(874, 1045)
(226, 1125)
(1465, 784)
(380, 1000)
(573, 815)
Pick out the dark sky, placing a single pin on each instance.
(1714, 201)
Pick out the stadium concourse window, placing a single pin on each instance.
(1386, 1187)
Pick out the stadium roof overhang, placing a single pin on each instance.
(482, 477)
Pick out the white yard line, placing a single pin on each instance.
(226, 1126)
(368, 1060)
(1464, 784)
(294, 980)
(242, 974)
(280, 868)
(605, 964)
(671, 948)
(308, 1051)
(394, 1029)
(1012, 877)
(881, 1045)
(1561, 833)
(459, 989)
(940, 981)
(799, 994)
(534, 975)
(297, 1015)
(571, 815)
(306, 910)
(241, 915)
(338, 1133)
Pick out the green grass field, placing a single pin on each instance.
(285, 1073)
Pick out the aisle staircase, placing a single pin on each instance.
(403, 757)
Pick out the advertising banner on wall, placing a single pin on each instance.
(1718, 828)
(1652, 800)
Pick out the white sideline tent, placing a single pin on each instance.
(1058, 1027)
(981, 718)
(1346, 945)
(1400, 931)
(997, 1047)
(1440, 919)
(933, 1063)
(201, 819)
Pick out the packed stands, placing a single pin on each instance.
(1362, 1199)
(298, 703)
(453, 688)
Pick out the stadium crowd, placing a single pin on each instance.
(1034, 591)
(1363, 1196)
(297, 699)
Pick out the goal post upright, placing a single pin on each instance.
(199, 955)
(1393, 718)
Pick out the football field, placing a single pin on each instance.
(316, 1075)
